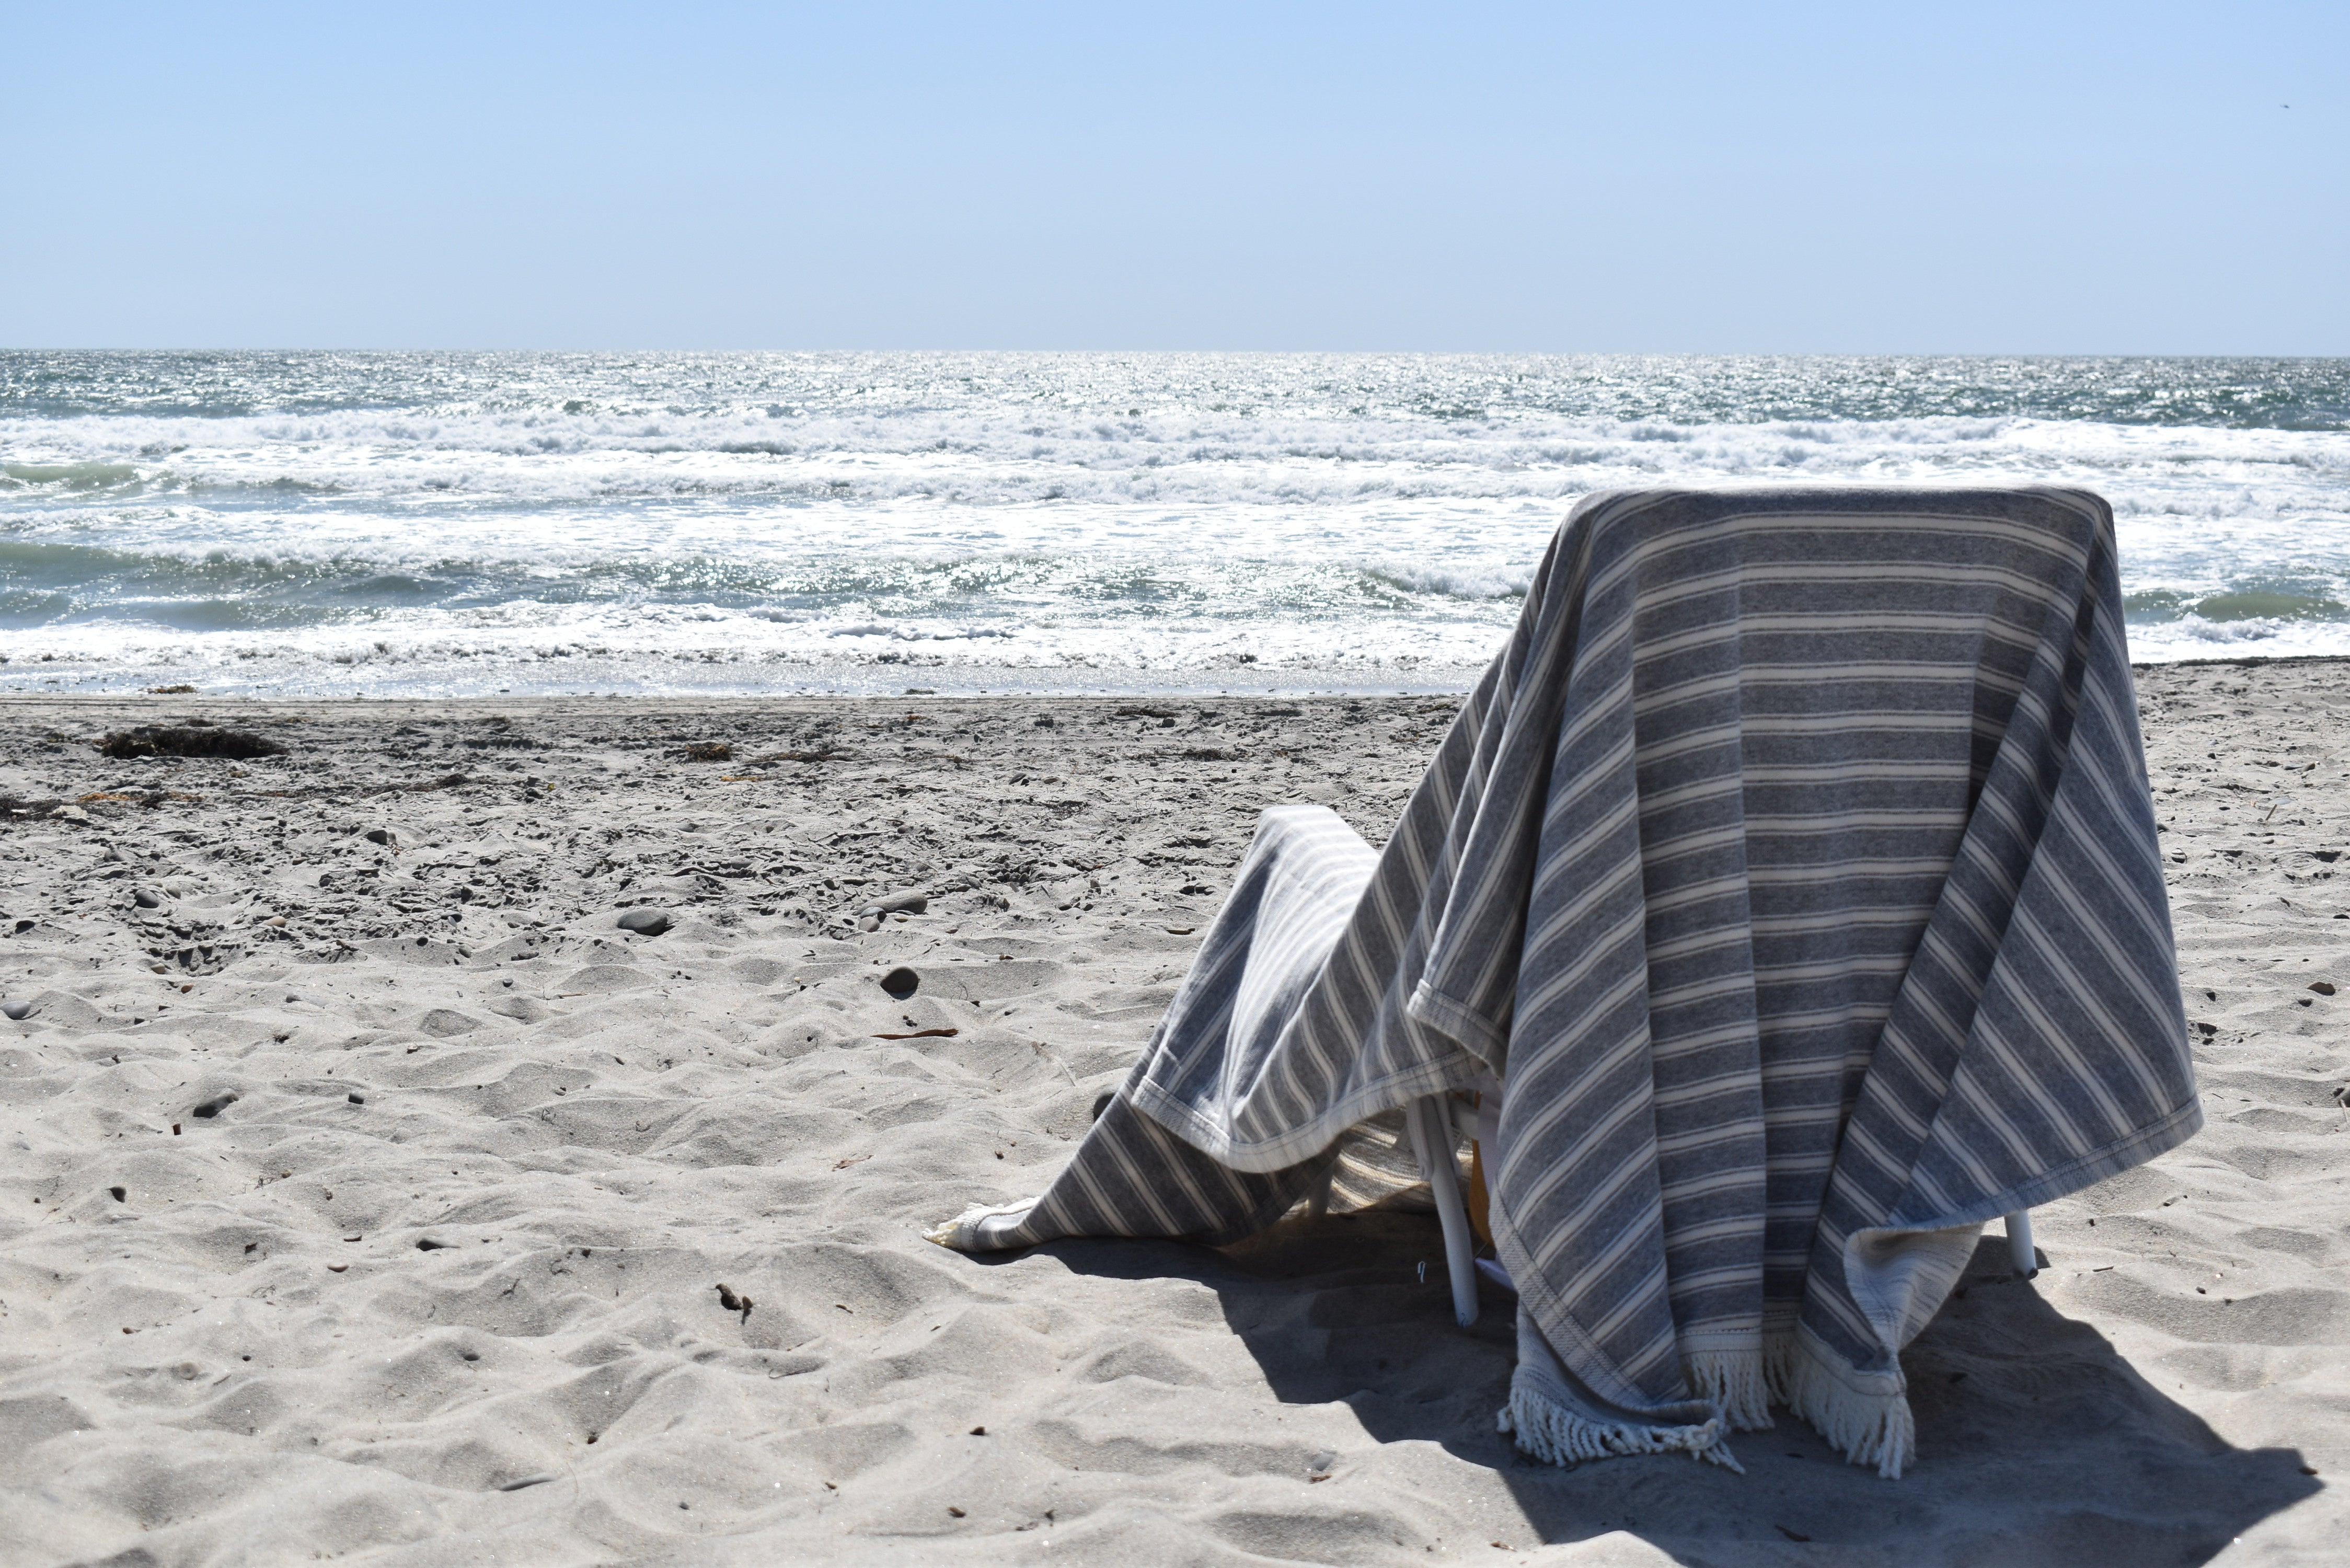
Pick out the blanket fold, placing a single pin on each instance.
(1793, 869)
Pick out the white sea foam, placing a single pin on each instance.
(458, 523)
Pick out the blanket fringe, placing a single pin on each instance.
(1867, 1428)
(1546, 1430)
(1734, 1382)
(957, 1232)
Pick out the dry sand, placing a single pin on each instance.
(442, 1283)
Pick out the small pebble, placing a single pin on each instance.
(909, 902)
(645, 922)
(901, 983)
(148, 898)
(214, 1106)
(16, 1010)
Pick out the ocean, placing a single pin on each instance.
(447, 525)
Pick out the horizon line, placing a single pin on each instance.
(1289, 353)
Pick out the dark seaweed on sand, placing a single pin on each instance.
(189, 741)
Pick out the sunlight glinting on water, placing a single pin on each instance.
(455, 524)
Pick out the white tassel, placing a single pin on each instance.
(962, 1230)
(1734, 1382)
(1546, 1430)
(1867, 1428)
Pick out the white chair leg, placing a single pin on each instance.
(1317, 1201)
(1431, 1140)
(2019, 1243)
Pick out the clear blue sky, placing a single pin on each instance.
(2045, 178)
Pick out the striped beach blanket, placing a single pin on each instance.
(1793, 872)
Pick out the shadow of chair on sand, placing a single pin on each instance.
(2037, 1443)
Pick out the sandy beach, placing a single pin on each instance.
(367, 1192)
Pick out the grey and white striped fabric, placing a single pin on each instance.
(1795, 870)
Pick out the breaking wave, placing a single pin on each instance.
(427, 521)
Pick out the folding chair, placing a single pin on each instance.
(1439, 1123)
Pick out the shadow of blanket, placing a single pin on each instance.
(2036, 1442)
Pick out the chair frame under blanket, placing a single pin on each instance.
(1439, 1122)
